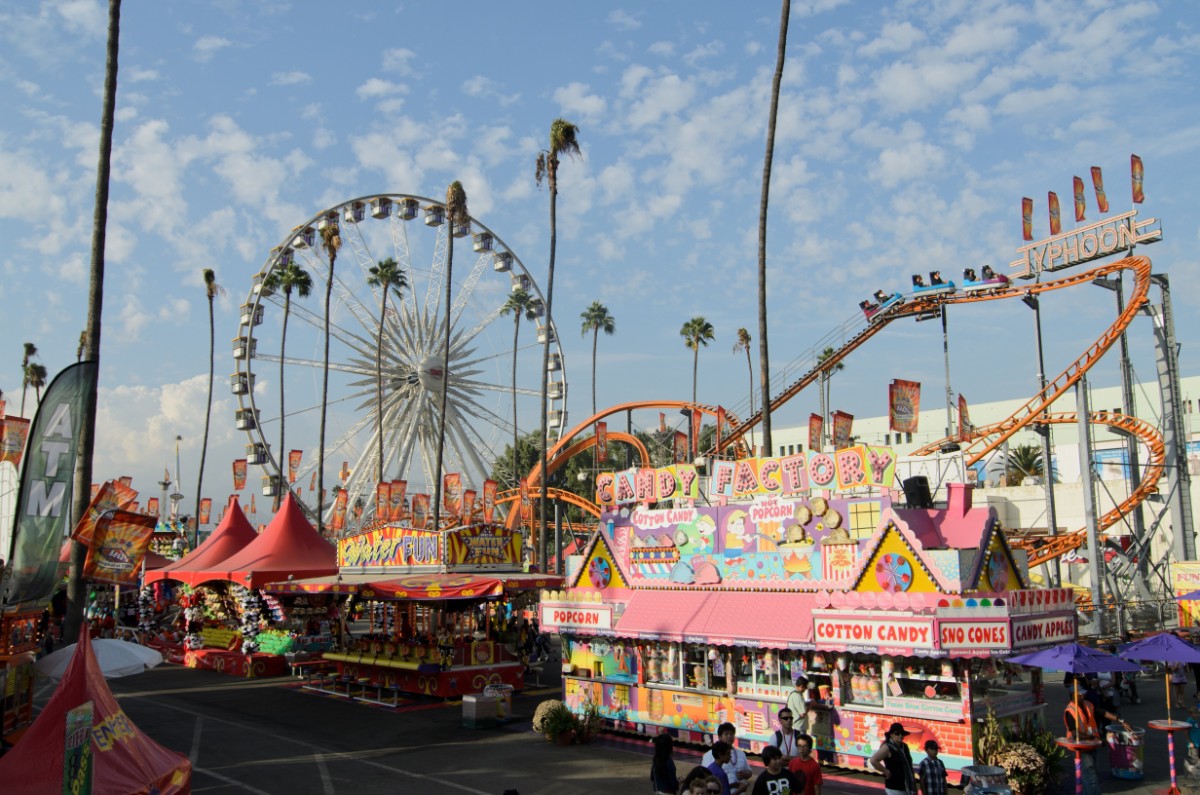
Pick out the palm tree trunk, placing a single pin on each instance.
(324, 403)
(764, 375)
(81, 495)
(379, 381)
(287, 308)
(824, 417)
(595, 338)
(750, 369)
(24, 391)
(695, 368)
(516, 335)
(542, 544)
(441, 446)
(212, 352)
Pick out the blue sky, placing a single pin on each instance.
(908, 133)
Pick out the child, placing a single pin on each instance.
(932, 771)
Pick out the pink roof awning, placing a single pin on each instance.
(777, 620)
(232, 535)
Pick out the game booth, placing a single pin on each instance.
(223, 596)
(429, 597)
(684, 617)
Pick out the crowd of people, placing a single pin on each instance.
(724, 769)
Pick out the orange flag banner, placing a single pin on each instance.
(452, 493)
(420, 510)
(904, 405)
(383, 500)
(294, 459)
(1098, 184)
(1055, 213)
(118, 545)
(1080, 202)
(398, 491)
(489, 499)
(205, 510)
(1137, 174)
(1027, 219)
(239, 474)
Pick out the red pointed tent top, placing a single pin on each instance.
(232, 535)
(289, 545)
(123, 758)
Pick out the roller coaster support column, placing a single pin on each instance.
(950, 434)
(1128, 408)
(1179, 498)
(558, 538)
(1030, 300)
(1095, 553)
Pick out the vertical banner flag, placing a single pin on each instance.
(398, 492)
(110, 496)
(118, 546)
(601, 442)
(294, 458)
(697, 419)
(253, 505)
(662, 422)
(964, 419)
(489, 499)
(47, 478)
(312, 483)
(904, 405)
(136, 508)
(339, 509)
(680, 447)
(468, 505)
(1137, 174)
(843, 423)
(126, 480)
(452, 493)
(344, 474)
(1080, 202)
(12, 439)
(1055, 213)
(420, 510)
(239, 474)
(1098, 184)
(525, 503)
(358, 509)
(383, 500)
(1027, 219)
(152, 506)
(816, 426)
(205, 510)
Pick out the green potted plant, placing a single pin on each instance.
(1026, 769)
(590, 722)
(554, 720)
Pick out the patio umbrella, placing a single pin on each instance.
(1188, 597)
(1077, 659)
(115, 657)
(1164, 647)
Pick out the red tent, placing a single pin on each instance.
(288, 546)
(232, 535)
(124, 760)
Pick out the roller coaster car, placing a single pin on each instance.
(988, 280)
(883, 302)
(936, 284)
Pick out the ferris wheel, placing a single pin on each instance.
(495, 366)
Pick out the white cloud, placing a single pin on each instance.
(207, 46)
(486, 88)
(87, 16)
(138, 74)
(895, 37)
(576, 100)
(290, 79)
(914, 160)
(664, 49)
(375, 88)
(663, 96)
(623, 20)
(399, 60)
(704, 52)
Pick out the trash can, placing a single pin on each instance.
(1126, 751)
(503, 695)
(479, 711)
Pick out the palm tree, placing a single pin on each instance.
(388, 276)
(826, 405)
(286, 279)
(77, 590)
(696, 332)
(764, 375)
(456, 215)
(564, 139)
(37, 379)
(211, 291)
(30, 351)
(743, 344)
(1024, 460)
(596, 319)
(519, 303)
(331, 239)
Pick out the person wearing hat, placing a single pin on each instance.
(894, 761)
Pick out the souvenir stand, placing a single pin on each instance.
(433, 591)
(684, 617)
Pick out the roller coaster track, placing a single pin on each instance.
(981, 442)
(1042, 549)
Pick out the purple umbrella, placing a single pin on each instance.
(1074, 658)
(1187, 597)
(1165, 647)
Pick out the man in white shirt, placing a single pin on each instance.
(737, 769)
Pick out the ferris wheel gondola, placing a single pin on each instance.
(488, 370)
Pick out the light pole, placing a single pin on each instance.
(1030, 300)
(177, 496)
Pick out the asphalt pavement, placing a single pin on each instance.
(271, 736)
